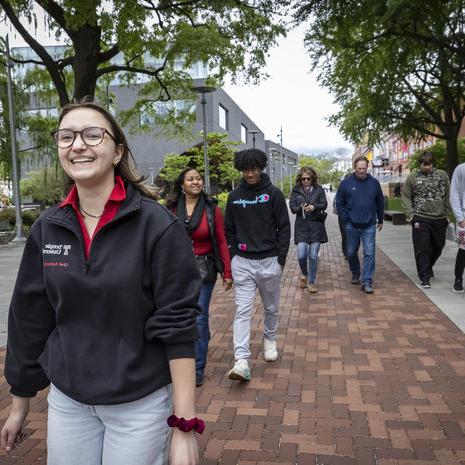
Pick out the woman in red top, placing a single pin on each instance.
(205, 225)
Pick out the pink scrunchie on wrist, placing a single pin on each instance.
(184, 425)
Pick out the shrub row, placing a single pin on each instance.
(9, 215)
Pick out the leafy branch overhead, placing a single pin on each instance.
(146, 40)
(392, 66)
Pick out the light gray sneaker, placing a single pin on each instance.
(240, 371)
(270, 352)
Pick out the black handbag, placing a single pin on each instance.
(207, 268)
(319, 215)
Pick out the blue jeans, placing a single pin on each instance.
(368, 238)
(201, 345)
(307, 254)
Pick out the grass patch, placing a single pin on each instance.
(394, 203)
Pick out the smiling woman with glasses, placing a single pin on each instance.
(308, 202)
(104, 311)
(92, 136)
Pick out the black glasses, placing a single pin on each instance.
(426, 163)
(306, 179)
(91, 136)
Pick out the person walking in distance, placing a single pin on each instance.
(258, 234)
(342, 226)
(104, 309)
(457, 202)
(426, 203)
(360, 204)
(308, 202)
(205, 225)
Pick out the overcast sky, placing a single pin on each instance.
(291, 98)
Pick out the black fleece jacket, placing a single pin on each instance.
(103, 330)
(257, 221)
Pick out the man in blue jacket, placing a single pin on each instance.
(360, 203)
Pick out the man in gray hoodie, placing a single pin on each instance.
(457, 202)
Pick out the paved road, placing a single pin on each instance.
(9, 263)
(361, 380)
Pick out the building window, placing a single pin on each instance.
(244, 134)
(223, 116)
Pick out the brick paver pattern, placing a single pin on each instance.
(361, 379)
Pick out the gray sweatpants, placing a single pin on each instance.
(248, 275)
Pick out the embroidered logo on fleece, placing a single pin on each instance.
(242, 246)
(56, 249)
(262, 198)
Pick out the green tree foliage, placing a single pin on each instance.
(5, 147)
(393, 66)
(439, 150)
(325, 166)
(44, 186)
(153, 41)
(220, 155)
(30, 130)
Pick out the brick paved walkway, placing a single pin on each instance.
(366, 380)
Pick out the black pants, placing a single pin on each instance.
(429, 238)
(342, 228)
(460, 264)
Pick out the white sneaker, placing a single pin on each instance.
(240, 371)
(270, 352)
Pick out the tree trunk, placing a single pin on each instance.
(451, 130)
(87, 47)
(451, 154)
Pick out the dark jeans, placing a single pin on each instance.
(201, 345)
(429, 238)
(459, 264)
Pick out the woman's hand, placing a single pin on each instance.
(227, 283)
(184, 448)
(312, 208)
(11, 431)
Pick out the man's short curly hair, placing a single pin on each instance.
(250, 158)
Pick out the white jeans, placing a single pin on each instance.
(133, 433)
(248, 275)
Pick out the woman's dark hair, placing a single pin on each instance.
(126, 167)
(250, 158)
(172, 199)
(307, 170)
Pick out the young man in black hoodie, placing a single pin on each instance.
(258, 233)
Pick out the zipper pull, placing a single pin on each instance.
(86, 266)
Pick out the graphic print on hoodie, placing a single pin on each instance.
(257, 221)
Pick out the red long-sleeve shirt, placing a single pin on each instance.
(115, 200)
(202, 244)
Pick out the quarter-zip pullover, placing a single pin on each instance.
(103, 330)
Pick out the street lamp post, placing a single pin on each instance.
(290, 165)
(16, 194)
(253, 132)
(203, 90)
(274, 156)
(283, 159)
